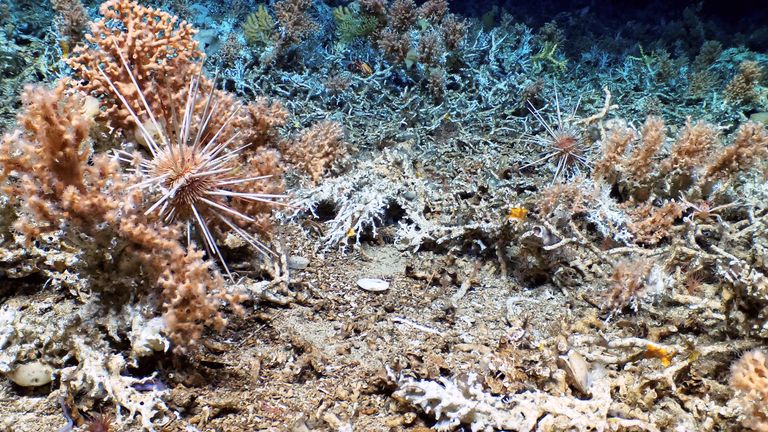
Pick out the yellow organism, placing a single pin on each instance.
(517, 213)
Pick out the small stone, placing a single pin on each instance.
(760, 117)
(409, 195)
(32, 374)
(373, 285)
(296, 262)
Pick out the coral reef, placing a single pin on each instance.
(563, 212)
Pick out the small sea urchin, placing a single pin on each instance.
(194, 171)
(562, 142)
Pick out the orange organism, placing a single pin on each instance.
(361, 67)
(517, 213)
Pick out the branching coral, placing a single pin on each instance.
(427, 34)
(49, 157)
(72, 20)
(294, 20)
(694, 163)
(46, 167)
(631, 280)
(749, 146)
(160, 51)
(316, 148)
(742, 88)
(463, 401)
(749, 377)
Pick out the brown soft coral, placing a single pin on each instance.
(263, 117)
(294, 20)
(749, 146)
(160, 51)
(629, 281)
(742, 88)
(651, 224)
(433, 11)
(72, 19)
(693, 146)
(46, 167)
(749, 377)
(317, 148)
(50, 154)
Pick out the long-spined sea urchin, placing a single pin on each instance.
(562, 142)
(195, 174)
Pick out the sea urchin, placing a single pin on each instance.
(562, 142)
(194, 171)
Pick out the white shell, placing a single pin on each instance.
(373, 285)
(32, 374)
(577, 370)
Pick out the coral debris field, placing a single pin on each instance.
(383, 215)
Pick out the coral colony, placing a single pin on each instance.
(383, 215)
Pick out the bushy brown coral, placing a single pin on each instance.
(708, 55)
(424, 34)
(565, 200)
(72, 20)
(316, 148)
(436, 82)
(263, 118)
(262, 162)
(49, 168)
(433, 11)
(394, 45)
(49, 154)
(454, 30)
(402, 15)
(614, 148)
(430, 49)
(294, 20)
(629, 281)
(376, 8)
(639, 165)
(160, 51)
(696, 158)
(693, 146)
(749, 146)
(651, 224)
(741, 89)
(749, 378)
